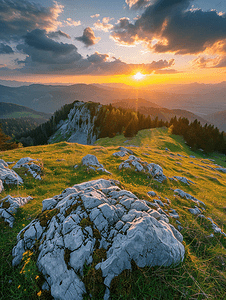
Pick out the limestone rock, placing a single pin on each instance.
(92, 163)
(183, 179)
(8, 176)
(154, 170)
(151, 193)
(28, 163)
(183, 194)
(195, 210)
(120, 153)
(1, 186)
(221, 170)
(128, 230)
(126, 150)
(9, 206)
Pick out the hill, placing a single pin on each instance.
(218, 119)
(17, 119)
(149, 108)
(201, 274)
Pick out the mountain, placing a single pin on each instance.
(218, 119)
(121, 233)
(154, 110)
(16, 119)
(10, 110)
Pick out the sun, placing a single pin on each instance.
(138, 76)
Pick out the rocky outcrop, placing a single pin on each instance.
(79, 127)
(92, 163)
(8, 176)
(183, 194)
(9, 206)
(182, 179)
(90, 217)
(136, 163)
(32, 168)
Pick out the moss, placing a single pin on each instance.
(97, 236)
(71, 208)
(85, 222)
(99, 255)
(67, 254)
(5, 204)
(47, 216)
(46, 295)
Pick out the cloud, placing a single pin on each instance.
(136, 4)
(5, 49)
(88, 38)
(17, 17)
(171, 27)
(202, 62)
(58, 34)
(97, 57)
(42, 50)
(104, 26)
(95, 16)
(70, 22)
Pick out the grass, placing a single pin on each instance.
(202, 273)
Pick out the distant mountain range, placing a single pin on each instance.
(218, 119)
(199, 99)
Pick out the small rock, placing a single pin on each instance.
(151, 193)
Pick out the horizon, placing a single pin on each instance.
(48, 42)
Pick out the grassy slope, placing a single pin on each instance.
(201, 275)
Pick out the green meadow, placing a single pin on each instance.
(202, 274)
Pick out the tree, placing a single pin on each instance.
(5, 143)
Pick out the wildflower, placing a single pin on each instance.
(18, 286)
(39, 293)
(37, 277)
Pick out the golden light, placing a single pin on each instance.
(138, 76)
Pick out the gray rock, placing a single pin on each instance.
(93, 164)
(151, 193)
(183, 194)
(195, 210)
(1, 186)
(126, 150)
(23, 161)
(221, 170)
(12, 205)
(120, 154)
(128, 231)
(184, 180)
(5, 164)
(216, 228)
(32, 168)
(8, 176)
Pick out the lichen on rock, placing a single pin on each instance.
(97, 225)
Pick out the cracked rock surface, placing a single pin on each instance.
(8, 176)
(9, 206)
(136, 163)
(128, 229)
(92, 163)
(32, 168)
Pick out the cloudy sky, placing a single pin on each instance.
(70, 41)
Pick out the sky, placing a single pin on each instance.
(100, 41)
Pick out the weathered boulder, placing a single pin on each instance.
(92, 163)
(183, 194)
(4, 163)
(9, 206)
(195, 210)
(28, 163)
(221, 170)
(126, 150)
(151, 193)
(120, 154)
(136, 163)
(90, 216)
(182, 179)
(8, 176)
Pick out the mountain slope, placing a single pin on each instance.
(218, 119)
(202, 273)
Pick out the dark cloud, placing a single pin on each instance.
(88, 38)
(58, 34)
(5, 49)
(97, 57)
(170, 26)
(40, 49)
(17, 17)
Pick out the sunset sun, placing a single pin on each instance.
(138, 76)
